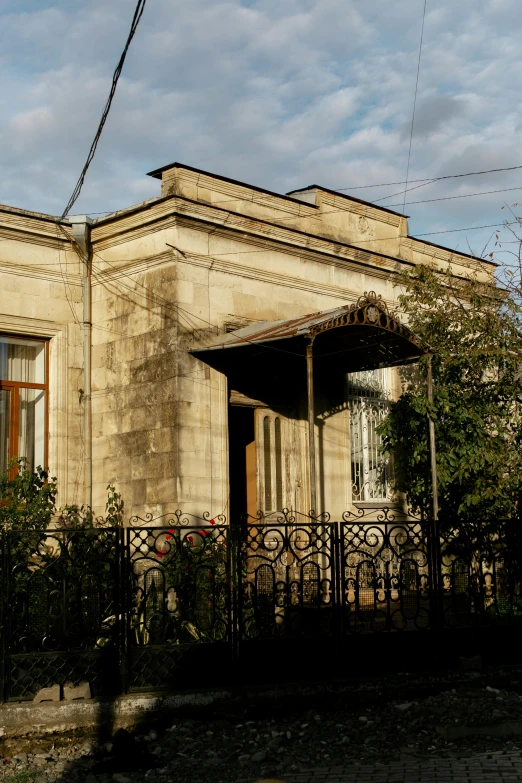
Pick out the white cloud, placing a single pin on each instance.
(277, 94)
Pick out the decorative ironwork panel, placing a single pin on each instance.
(385, 575)
(287, 576)
(61, 590)
(180, 582)
(480, 573)
(60, 607)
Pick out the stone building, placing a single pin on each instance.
(196, 399)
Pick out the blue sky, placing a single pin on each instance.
(278, 94)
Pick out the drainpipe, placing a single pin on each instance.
(81, 225)
(311, 424)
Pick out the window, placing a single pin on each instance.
(23, 400)
(368, 397)
(272, 462)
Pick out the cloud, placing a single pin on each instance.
(276, 94)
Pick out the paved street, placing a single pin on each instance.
(500, 766)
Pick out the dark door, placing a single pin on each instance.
(242, 461)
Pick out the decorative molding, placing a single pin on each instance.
(33, 327)
(342, 204)
(40, 273)
(236, 191)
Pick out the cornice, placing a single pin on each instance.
(16, 234)
(181, 211)
(26, 270)
(237, 191)
(33, 229)
(19, 325)
(341, 204)
(443, 254)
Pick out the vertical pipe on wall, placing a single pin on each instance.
(81, 225)
(311, 425)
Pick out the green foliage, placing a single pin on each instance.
(476, 332)
(74, 516)
(22, 777)
(27, 499)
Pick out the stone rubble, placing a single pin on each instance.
(227, 749)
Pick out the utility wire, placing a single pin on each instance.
(413, 113)
(135, 21)
(464, 195)
(432, 179)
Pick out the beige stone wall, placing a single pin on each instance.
(169, 275)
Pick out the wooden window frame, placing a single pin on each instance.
(14, 387)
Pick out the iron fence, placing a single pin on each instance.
(180, 600)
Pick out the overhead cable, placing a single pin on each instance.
(432, 179)
(135, 21)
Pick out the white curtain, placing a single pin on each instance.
(31, 427)
(5, 406)
(22, 360)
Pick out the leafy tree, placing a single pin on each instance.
(475, 329)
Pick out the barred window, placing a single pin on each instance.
(368, 397)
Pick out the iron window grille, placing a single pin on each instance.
(368, 401)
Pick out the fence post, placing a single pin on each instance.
(122, 609)
(337, 579)
(3, 630)
(234, 546)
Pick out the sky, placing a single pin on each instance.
(279, 94)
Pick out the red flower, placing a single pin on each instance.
(161, 552)
(172, 530)
(167, 537)
(203, 533)
(189, 538)
(212, 521)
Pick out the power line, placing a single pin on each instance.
(430, 179)
(414, 106)
(135, 21)
(464, 195)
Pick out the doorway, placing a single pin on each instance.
(242, 461)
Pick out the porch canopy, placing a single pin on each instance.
(361, 336)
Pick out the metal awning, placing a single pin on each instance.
(361, 336)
